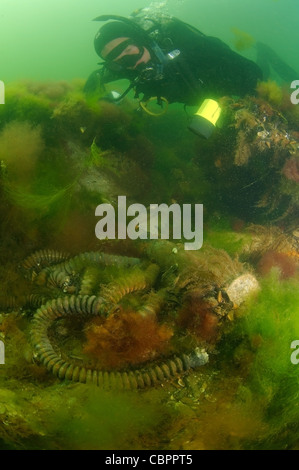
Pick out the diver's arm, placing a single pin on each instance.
(97, 79)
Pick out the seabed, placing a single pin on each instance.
(141, 344)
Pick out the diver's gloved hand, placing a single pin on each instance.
(113, 97)
(93, 83)
(97, 79)
(204, 120)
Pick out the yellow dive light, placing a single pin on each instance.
(204, 121)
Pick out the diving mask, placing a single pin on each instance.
(127, 61)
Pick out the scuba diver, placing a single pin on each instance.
(170, 61)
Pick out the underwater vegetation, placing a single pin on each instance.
(120, 344)
(242, 40)
(119, 334)
(21, 144)
(260, 144)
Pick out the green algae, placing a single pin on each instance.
(43, 203)
(24, 106)
(259, 345)
(274, 317)
(219, 234)
(109, 420)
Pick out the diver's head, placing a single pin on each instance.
(119, 45)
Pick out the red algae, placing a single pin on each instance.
(287, 266)
(197, 317)
(126, 338)
(291, 169)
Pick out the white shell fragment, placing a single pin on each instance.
(242, 287)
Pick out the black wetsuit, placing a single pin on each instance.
(205, 67)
